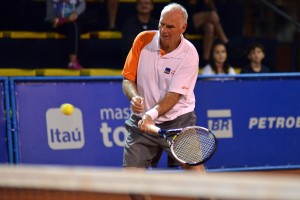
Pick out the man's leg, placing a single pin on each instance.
(203, 19)
(215, 19)
(112, 7)
(208, 40)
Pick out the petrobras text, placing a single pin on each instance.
(274, 122)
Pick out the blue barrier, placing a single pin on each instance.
(6, 148)
(256, 119)
(93, 135)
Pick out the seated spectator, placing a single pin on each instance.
(256, 54)
(203, 15)
(141, 21)
(64, 17)
(218, 63)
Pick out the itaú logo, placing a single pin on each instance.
(64, 131)
(220, 123)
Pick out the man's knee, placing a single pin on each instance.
(209, 29)
(214, 17)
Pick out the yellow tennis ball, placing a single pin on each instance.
(67, 108)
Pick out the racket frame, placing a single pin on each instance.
(175, 132)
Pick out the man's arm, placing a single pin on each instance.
(78, 11)
(81, 7)
(130, 90)
(166, 104)
(211, 4)
(50, 12)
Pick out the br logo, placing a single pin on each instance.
(219, 122)
(64, 131)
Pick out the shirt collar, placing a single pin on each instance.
(177, 53)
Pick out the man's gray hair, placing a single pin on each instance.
(175, 7)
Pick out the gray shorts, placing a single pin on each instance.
(144, 150)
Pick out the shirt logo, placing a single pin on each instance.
(167, 70)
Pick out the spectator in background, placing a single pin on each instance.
(112, 9)
(203, 14)
(256, 54)
(141, 21)
(218, 63)
(64, 17)
(111, 13)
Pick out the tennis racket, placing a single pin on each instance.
(193, 145)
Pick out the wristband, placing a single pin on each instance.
(153, 113)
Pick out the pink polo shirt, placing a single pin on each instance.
(156, 73)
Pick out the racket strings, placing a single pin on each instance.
(208, 145)
(193, 146)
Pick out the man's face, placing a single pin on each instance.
(144, 6)
(171, 26)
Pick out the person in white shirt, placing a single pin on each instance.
(218, 62)
(160, 74)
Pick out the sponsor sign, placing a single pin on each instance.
(64, 131)
(3, 131)
(93, 135)
(257, 122)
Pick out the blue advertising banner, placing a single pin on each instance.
(257, 121)
(93, 135)
(5, 140)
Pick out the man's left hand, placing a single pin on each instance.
(144, 122)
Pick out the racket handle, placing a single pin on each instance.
(153, 128)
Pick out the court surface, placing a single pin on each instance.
(57, 182)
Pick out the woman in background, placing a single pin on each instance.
(218, 63)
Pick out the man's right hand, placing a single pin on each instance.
(137, 104)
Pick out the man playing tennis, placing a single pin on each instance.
(160, 74)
